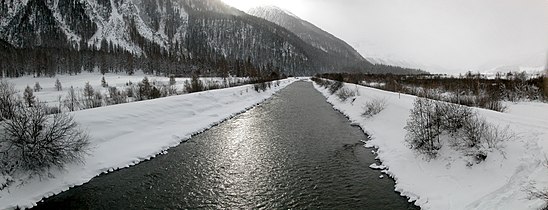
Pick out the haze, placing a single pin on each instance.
(441, 36)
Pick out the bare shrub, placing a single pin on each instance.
(536, 193)
(472, 135)
(454, 116)
(71, 101)
(7, 100)
(335, 86)
(345, 93)
(490, 102)
(116, 96)
(35, 142)
(495, 136)
(194, 85)
(374, 107)
(422, 128)
(260, 86)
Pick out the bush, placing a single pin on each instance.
(37, 87)
(36, 142)
(195, 84)
(7, 100)
(322, 82)
(453, 116)
(373, 107)
(345, 93)
(261, 86)
(470, 134)
(423, 128)
(335, 86)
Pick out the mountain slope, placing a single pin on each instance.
(308, 32)
(165, 36)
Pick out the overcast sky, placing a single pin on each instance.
(441, 35)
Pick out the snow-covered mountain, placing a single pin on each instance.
(308, 32)
(203, 33)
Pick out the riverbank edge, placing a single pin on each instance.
(516, 161)
(224, 104)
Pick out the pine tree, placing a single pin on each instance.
(28, 96)
(104, 82)
(88, 100)
(37, 87)
(172, 80)
(58, 85)
(144, 90)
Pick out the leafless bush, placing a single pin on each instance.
(490, 102)
(116, 96)
(35, 142)
(322, 82)
(71, 101)
(345, 93)
(7, 100)
(423, 128)
(374, 107)
(194, 85)
(536, 193)
(470, 134)
(260, 86)
(454, 116)
(335, 86)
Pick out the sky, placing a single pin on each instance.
(441, 36)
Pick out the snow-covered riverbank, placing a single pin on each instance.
(126, 134)
(500, 182)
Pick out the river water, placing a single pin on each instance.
(293, 151)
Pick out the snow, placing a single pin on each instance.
(375, 166)
(126, 134)
(50, 95)
(446, 182)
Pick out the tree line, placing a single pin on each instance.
(469, 89)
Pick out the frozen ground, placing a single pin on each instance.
(123, 135)
(446, 182)
(51, 96)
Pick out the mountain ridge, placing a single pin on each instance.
(307, 31)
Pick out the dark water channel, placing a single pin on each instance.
(294, 151)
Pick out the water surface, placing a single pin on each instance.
(294, 151)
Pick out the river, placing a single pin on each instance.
(293, 151)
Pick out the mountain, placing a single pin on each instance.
(161, 36)
(309, 33)
(328, 43)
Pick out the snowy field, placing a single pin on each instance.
(499, 182)
(50, 95)
(126, 134)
